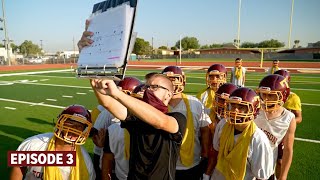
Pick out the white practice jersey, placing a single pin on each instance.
(40, 143)
(203, 100)
(117, 147)
(104, 120)
(275, 129)
(259, 158)
(200, 119)
(234, 80)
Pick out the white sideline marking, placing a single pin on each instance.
(51, 99)
(35, 72)
(31, 103)
(51, 76)
(11, 108)
(81, 93)
(43, 79)
(67, 96)
(307, 140)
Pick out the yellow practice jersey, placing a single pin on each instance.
(293, 102)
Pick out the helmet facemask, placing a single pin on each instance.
(138, 95)
(126, 91)
(271, 100)
(215, 79)
(73, 129)
(220, 104)
(239, 112)
(138, 91)
(178, 81)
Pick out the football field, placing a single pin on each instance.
(31, 101)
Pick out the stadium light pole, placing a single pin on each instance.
(152, 46)
(290, 28)
(7, 43)
(74, 50)
(41, 44)
(180, 50)
(239, 15)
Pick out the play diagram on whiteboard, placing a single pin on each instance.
(112, 25)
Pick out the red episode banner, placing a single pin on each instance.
(41, 158)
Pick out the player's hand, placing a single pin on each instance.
(105, 87)
(85, 38)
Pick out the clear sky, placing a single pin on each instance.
(57, 22)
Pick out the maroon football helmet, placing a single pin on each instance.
(284, 73)
(274, 91)
(73, 125)
(216, 76)
(221, 95)
(138, 91)
(177, 77)
(242, 106)
(128, 84)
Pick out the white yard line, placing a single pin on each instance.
(81, 93)
(11, 108)
(51, 99)
(65, 96)
(6, 83)
(31, 103)
(35, 72)
(307, 104)
(307, 140)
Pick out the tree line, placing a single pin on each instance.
(143, 47)
(27, 48)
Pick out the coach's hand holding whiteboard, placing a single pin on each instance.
(85, 38)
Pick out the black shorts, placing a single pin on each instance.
(96, 163)
(280, 150)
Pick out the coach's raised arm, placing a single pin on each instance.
(118, 103)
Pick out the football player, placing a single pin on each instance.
(277, 122)
(72, 128)
(238, 73)
(222, 94)
(195, 144)
(275, 67)
(216, 76)
(243, 150)
(293, 103)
